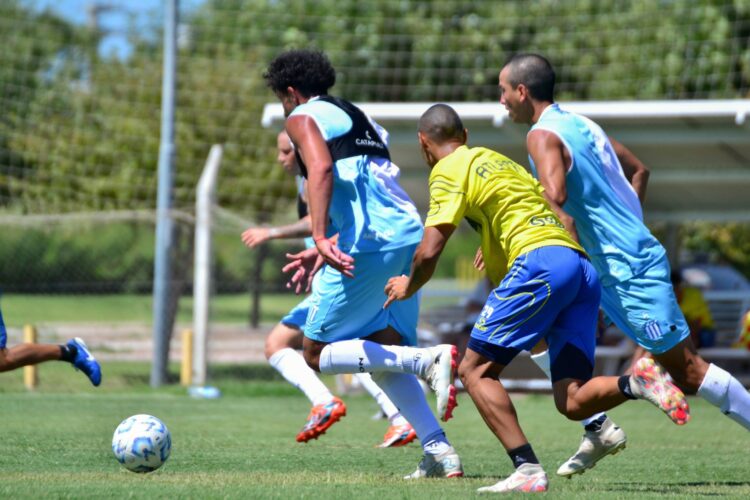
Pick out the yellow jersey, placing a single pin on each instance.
(500, 200)
(694, 307)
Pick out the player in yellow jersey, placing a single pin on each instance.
(547, 290)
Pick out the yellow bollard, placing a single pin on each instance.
(186, 368)
(30, 372)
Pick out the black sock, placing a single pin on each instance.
(522, 455)
(68, 352)
(624, 384)
(596, 425)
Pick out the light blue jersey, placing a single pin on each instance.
(632, 265)
(377, 223)
(604, 205)
(369, 210)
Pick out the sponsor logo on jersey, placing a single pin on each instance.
(369, 141)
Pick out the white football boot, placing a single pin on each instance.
(595, 445)
(446, 464)
(440, 377)
(528, 478)
(649, 381)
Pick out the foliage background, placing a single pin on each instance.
(79, 128)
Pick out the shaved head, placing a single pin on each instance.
(533, 71)
(440, 123)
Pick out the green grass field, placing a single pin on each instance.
(231, 308)
(56, 444)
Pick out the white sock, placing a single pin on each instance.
(542, 361)
(292, 366)
(390, 410)
(592, 418)
(724, 391)
(359, 356)
(406, 393)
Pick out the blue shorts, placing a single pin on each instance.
(296, 317)
(344, 308)
(646, 309)
(3, 333)
(553, 293)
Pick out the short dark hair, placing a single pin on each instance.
(535, 72)
(441, 123)
(308, 71)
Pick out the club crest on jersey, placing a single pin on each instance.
(652, 329)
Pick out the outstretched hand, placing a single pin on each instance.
(396, 289)
(255, 236)
(303, 266)
(334, 257)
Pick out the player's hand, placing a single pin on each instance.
(334, 257)
(303, 266)
(396, 289)
(255, 236)
(479, 260)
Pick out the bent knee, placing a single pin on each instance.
(690, 378)
(272, 346)
(468, 372)
(463, 372)
(312, 359)
(572, 413)
(570, 410)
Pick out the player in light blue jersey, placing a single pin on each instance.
(600, 185)
(353, 184)
(285, 338)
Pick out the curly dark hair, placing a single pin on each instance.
(308, 71)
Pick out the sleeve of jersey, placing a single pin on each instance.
(447, 201)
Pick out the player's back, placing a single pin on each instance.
(502, 202)
(369, 209)
(604, 205)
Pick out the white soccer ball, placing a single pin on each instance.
(142, 443)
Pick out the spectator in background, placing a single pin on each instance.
(695, 309)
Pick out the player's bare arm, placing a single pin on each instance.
(423, 264)
(479, 260)
(304, 133)
(254, 236)
(635, 171)
(552, 162)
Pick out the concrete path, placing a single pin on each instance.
(133, 342)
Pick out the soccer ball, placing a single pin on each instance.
(142, 443)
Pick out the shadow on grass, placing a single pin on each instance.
(691, 487)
